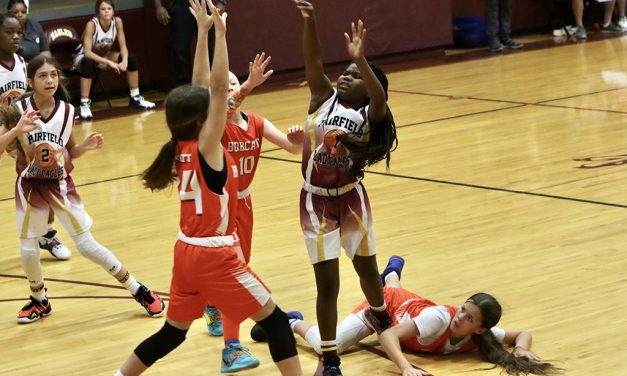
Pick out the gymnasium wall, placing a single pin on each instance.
(275, 26)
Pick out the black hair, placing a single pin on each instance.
(382, 139)
(13, 2)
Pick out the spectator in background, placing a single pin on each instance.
(499, 25)
(34, 40)
(183, 29)
(101, 32)
(606, 27)
(620, 9)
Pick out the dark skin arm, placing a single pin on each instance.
(319, 84)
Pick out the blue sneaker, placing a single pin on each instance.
(395, 264)
(293, 316)
(235, 358)
(214, 320)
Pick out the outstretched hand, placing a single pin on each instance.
(199, 11)
(355, 43)
(28, 122)
(93, 141)
(296, 135)
(306, 8)
(219, 19)
(519, 352)
(256, 70)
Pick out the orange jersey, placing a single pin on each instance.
(245, 147)
(203, 212)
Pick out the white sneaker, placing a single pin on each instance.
(52, 244)
(623, 23)
(85, 110)
(139, 102)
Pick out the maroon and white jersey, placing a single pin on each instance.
(326, 162)
(13, 81)
(44, 154)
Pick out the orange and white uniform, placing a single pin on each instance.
(334, 207)
(206, 266)
(245, 148)
(43, 166)
(13, 82)
(432, 320)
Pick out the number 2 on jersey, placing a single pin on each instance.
(190, 189)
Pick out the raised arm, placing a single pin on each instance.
(257, 75)
(355, 44)
(209, 138)
(319, 84)
(391, 341)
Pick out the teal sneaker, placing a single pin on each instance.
(214, 320)
(235, 358)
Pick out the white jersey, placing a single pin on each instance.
(13, 81)
(44, 153)
(101, 42)
(326, 161)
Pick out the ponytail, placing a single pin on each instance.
(159, 174)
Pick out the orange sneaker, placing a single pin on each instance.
(34, 310)
(150, 301)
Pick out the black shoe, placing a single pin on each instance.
(331, 371)
(512, 44)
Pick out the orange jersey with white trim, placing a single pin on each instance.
(245, 147)
(203, 212)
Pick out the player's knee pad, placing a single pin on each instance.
(160, 344)
(132, 65)
(88, 67)
(280, 337)
(91, 249)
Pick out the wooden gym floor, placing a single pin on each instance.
(509, 178)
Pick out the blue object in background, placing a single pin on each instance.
(469, 31)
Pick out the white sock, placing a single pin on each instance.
(134, 92)
(39, 295)
(118, 373)
(84, 100)
(389, 274)
(130, 283)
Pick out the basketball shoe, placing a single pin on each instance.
(139, 102)
(85, 110)
(34, 310)
(52, 244)
(395, 264)
(150, 301)
(235, 358)
(213, 317)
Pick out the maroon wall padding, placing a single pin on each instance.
(275, 27)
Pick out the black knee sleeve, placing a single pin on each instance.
(280, 337)
(132, 65)
(88, 67)
(160, 344)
